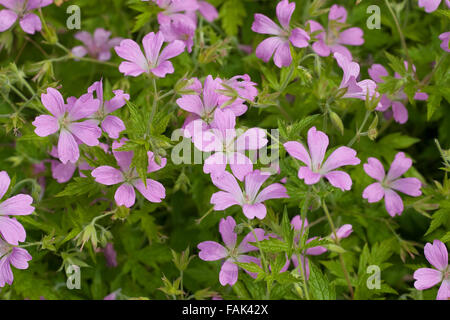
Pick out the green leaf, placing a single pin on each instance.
(439, 218)
(80, 186)
(271, 245)
(319, 285)
(232, 14)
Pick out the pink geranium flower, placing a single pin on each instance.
(97, 46)
(388, 184)
(63, 172)
(278, 46)
(212, 251)
(316, 168)
(21, 9)
(431, 5)
(359, 90)
(215, 93)
(112, 125)
(10, 255)
(182, 29)
(426, 278)
(343, 231)
(10, 229)
(296, 223)
(64, 119)
(445, 38)
(396, 100)
(333, 39)
(251, 198)
(227, 143)
(129, 179)
(154, 61)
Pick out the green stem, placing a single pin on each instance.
(360, 130)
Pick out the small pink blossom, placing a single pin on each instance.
(316, 168)
(333, 40)
(129, 179)
(431, 5)
(97, 46)
(251, 198)
(155, 60)
(64, 119)
(19, 205)
(343, 231)
(387, 185)
(63, 172)
(212, 251)
(437, 256)
(445, 38)
(110, 124)
(396, 100)
(278, 46)
(21, 9)
(11, 255)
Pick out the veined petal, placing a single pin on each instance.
(211, 251)
(228, 273)
(4, 183)
(284, 12)
(226, 229)
(265, 25)
(53, 102)
(223, 200)
(87, 131)
(107, 175)
(437, 254)
(273, 191)
(266, 48)
(256, 210)
(67, 147)
(18, 205)
(399, 166)
(426, 278)
(342, 156)
(153, 192)
(394, 203)
(339, 179)
(125, 195)
(317, 144)
(409, 186)
(373, 192)
(45, 125)
(298, 151)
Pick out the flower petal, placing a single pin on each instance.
(437, 254)
(409, 186)
(67, 147)
(12, 231)
(211, 251)
(342, 156)
(257, 210)
(284, 12)
(426, 278)
(107, 175)
(265, 25)
(394, 203)
(125, 195)
(4, 183)
(317, 144)
(374, 169)
(30, 23)
(373, 192)
(153, 192)
(399, 166)
(298, 151)
(228, 273)
(339, 179)
(226, 229)
(45, 125)
(7, 19)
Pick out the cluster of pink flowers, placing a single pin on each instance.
(11, 231)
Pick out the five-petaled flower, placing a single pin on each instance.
(97, 46)
(154, 61)
(11, 255)
(129, 179)
(65, 120)
(283, 36)
(437, 256)
(212, 251)
(388, 184)
(250, 199)
(316, 168)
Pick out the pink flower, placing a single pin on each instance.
(396, 100)
(155, 61)
(64, 119)
(212, 251)
(175, 9)
(390, 182)
(215, 93)
(227, 143)
(343, 232)
(182, 29)
(10, 255)
(63, 172)
(445, 38)
(334, 39)
(283, 36)
(359, 90)
(19, 205)
(97, 46)
(129, 178)
(316, 168)
(112, 125)
(296, 223)
(110, 255)
(426, 278)
(250, 199)
(431, 5)
(21, 9)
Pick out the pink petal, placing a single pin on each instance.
(273, 191)
(67, 147)
(79, 51)
(125, 195)
(163, 68)
(130, 50)
(208, 11)
(400, 112)
(245, 246)
(19, 258)
(211, 251)
(131, 69)
(123, 158)
(308, 176)
(321, 48)
(299, 38)
(87, 131)
(12, 231)
(17, 205)
(240, 165)
(119, 100)
(399, 166)
(282, 56)
(215, 164)
(252, 139)
(62, 172)
(429, 5)
(374, 169)
(444, 291)
(53, 102)
(343, 232)
(228, 273)
(409, 186)
(317, 144)
(437, 254)
(152, 165)
(264, 25)
(107, 175)
(253, 182)
(352, 36)
(45, 125)
(337, 13)
(7, 19)
(376, 71)
(227, 182)
(191, 103)
(173, 49)
(342, 156)
(298, 151)
(339, 179)
(113, 126)
(426, 278)
(257, 210)
(373, 192)
(226, 229)
(4, 183)
(393, 202)
(284, 12)
(30, 23)
(266, 48)
(222, 200)
(153, 192)
(84, 107)
(6, 275)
